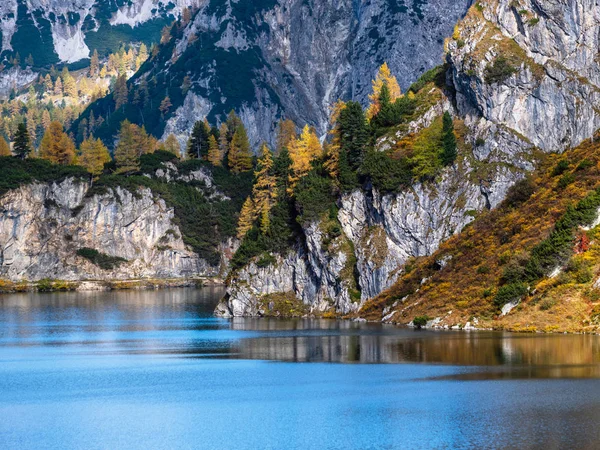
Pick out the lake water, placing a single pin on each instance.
(155, 370)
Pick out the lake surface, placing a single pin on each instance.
(155, 370)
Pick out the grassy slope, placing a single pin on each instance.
(464, 289)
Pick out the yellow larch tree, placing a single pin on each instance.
(332, 150)
(384, 76)
(215, 156)
(93, 156)
(265, 188)
(303, 151)
(56, 146)
(247, 218)
(4, 147)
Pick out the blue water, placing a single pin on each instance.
(155, 370)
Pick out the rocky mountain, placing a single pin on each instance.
(522, 79)
(283, 58)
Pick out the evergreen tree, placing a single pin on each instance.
(186, 85)
(93, 156)
(224, 141)
(56, 146)
(247, 218)
(233, 123)
(282, 168)
(4, 147)
(29, 60)
(198, 144)
(354, 133)
(240, 154)
(449, 152)
(121, 94)
(58, 87)
(214, 152)
(265, 188)
(21, 145)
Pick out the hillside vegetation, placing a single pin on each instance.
(539, 249)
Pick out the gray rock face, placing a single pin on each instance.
(552, 46)
(42, 226)
(310, 54)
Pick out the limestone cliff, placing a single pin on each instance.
(42, 226)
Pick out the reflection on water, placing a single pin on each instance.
(155, 369)
(179, 322)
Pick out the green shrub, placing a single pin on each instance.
(386, 173)
(561, 167)
(585, 164)
(510, 293)
(314, 196)
(105, 262)
(519, 192)
(420, 321)
(565, 180)
(499, 71)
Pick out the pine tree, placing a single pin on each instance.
(4, 147)
(240, 154)
(264, 191)
(353, 132)
(29, 60)
(449, 152)
(247, 218)
(214, 152)
(172, 145)
(233, 123)
(198, 144)
(56, 146)
(142, 56)
(286, 133)
(186, 85)
(93, 156)
(121, 92)
(384, 76)
(21, 146)
(94, 64)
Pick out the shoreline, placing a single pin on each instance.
(53, 285)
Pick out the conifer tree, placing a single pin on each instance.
(449, 152)
(286, 132)
(264, 191)
(223, 140)
(121, 92)
(214, 152)
(384, 76)
(186, 85)
(165, 106)
(93, 156)
(240, 154)
(4, 147)
(58, 87)
(354, 133)
(21, 145)
(56, 146)
(303, 152)
(133, 142)
(172, 145)
(247, 218)
(48, 85)
(198, 144)
(94, 64)
(68, 82)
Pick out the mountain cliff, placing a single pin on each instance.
(283, 58)
(521, 80)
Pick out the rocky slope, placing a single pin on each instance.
(44, 227)
(287, 58)
(521, 77)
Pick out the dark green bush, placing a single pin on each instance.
(420, 321)
(565, 180)
(561, 167)
(519, 192)
(499, 71)
(510, 293)
(386, 173)
(105, 262)
(314, 196)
